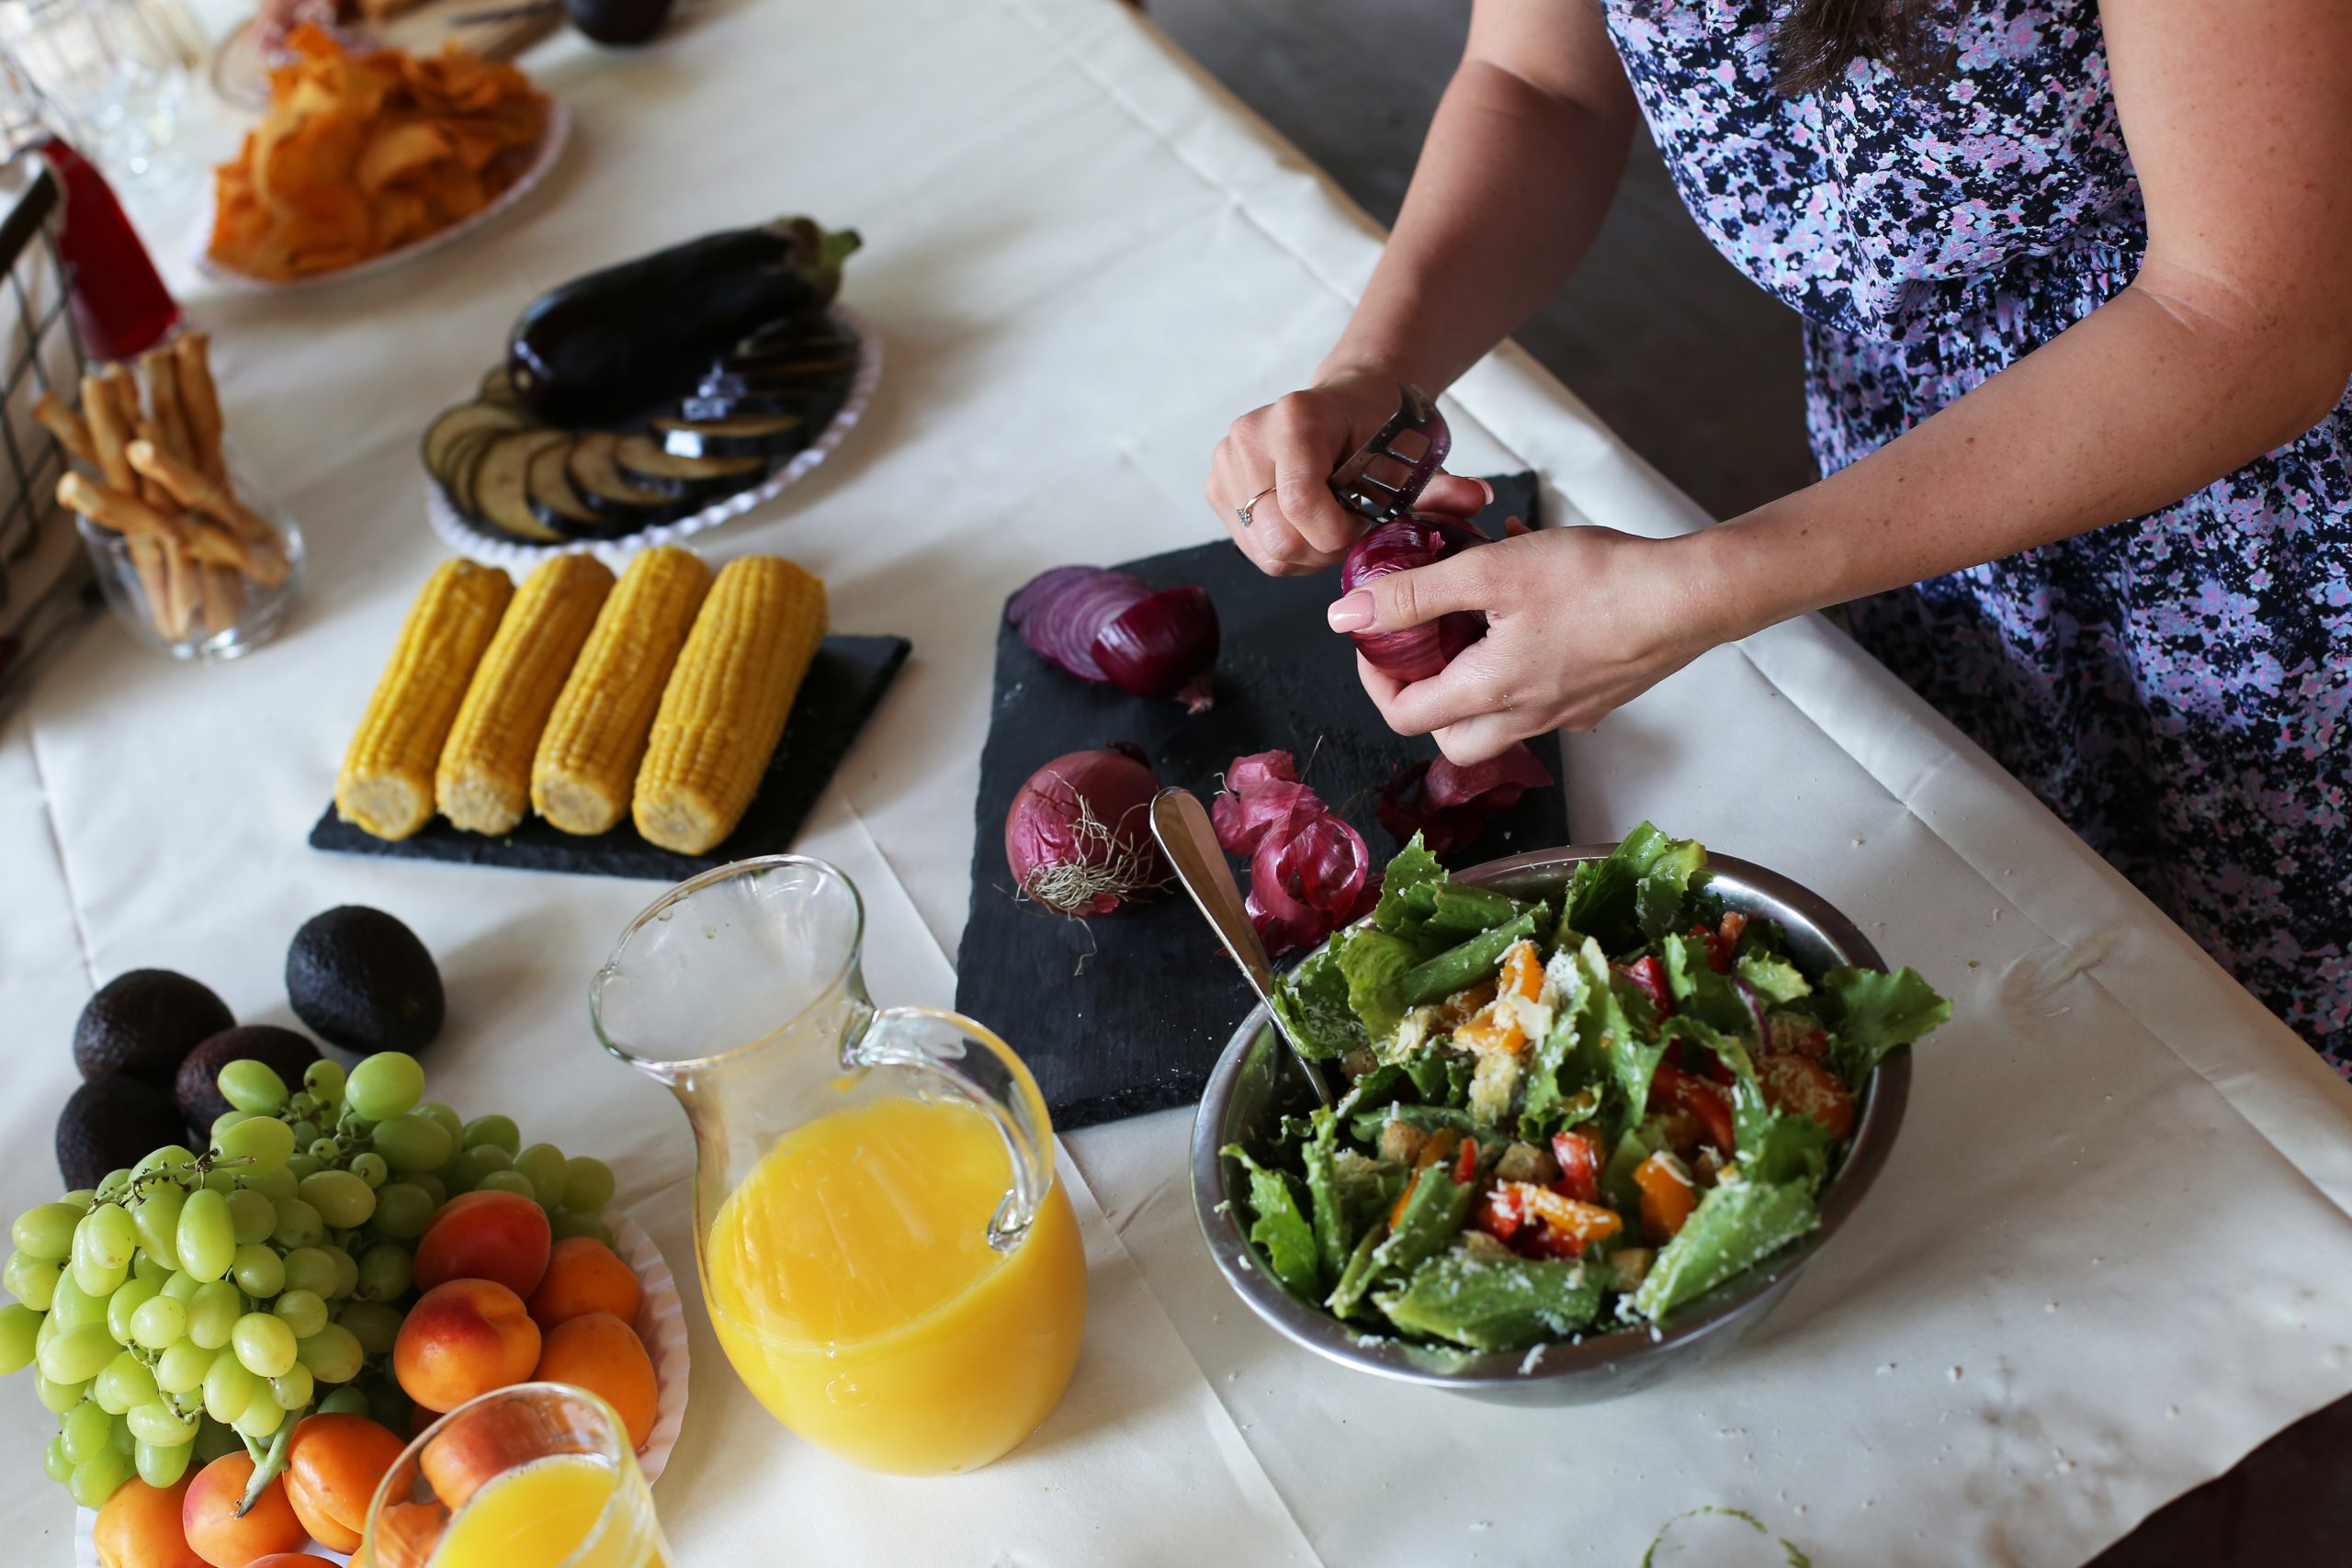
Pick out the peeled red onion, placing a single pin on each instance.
(1415, 653)
(1078, 836)
(1113, 629)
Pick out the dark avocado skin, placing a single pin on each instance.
(198, 1089)
(112, 1122)
(143, 1022)
(364, 982)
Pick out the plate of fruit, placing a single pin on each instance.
(653, 400)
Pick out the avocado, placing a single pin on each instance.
(112, 1121)
(363, 981)
(142, 1023)
(198, 1092)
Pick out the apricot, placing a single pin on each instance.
(140, 1527)
(334, 1465)
(462, 1338)
(291, 1560)
(208, 1516)
(485, 1235)
(406, 1533)
(601, 1353)
(479, 1445)
(585, 1276)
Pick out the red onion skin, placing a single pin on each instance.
(1415, 653)
(1163, 645)
(1043, 832)
(1448, 805)
(1310, 871)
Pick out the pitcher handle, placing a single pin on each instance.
(984, 1070)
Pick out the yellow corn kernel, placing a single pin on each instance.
(386, 785)
(727, 700)
(485, 782)
(587, 757)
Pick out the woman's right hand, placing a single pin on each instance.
(1283, 455)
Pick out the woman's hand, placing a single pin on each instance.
(1579, 621)
(1277, 461)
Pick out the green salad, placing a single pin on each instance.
(1566, 1116)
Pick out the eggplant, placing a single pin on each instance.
(642, 460)
(443, 437)
(501, 486)
(554, 501)
(604, 348)
(752, 435)
(597, 480)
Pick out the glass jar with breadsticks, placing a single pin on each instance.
(190, 556)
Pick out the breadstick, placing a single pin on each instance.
(71, 430)
(116, 509)
(145, 430)
(201, 399)
(264, 556)
(224, 598)
(162, 370)
(214, 546)
(180, 593)
(110, 403)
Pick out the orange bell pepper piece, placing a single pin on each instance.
(1668, 1195)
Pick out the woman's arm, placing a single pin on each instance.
(1520, 164)
(2235, 337)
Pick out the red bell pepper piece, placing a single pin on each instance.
(1673, 1089)
(1466, 1164)
(1649, 977)
(1579, 1160)
(1502, 1214)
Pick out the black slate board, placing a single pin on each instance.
(1126, 1013)
(844, 685)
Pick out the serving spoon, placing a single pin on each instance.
(1187, 838)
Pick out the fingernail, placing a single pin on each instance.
(1490, 491)
(1352, 614)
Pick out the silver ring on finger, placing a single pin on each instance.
(1241, 514)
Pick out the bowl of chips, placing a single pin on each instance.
(368, 159)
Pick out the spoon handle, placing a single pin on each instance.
(1186, 836)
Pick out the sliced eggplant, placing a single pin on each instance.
(643, 461)
(555, 504)
(598, 481)
(753, 435)
(501, 490)
(454, 424)
(464, 459)
(498, 387)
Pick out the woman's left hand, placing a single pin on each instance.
(1579, 621)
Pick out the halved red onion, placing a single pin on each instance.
(1112, 629)
(1415, 653)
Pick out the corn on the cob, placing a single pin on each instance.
(725, 706)
(587, 758)
(386, 786)
(485, 782)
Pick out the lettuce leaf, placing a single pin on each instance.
(1698, 991)
(1372, 961)
(1408, 891)
(1663, 882)
(1279, 1229)
(1636, 893)
(1496, 1304)
(1327, 1209)
(1774, 977)
(1782, 1147)
(1870, 1013)
(1464, 964)
(1736, 1224)
(1313, 1000)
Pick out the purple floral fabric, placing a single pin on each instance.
(2177, 687)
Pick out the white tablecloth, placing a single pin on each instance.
(2110, 1252)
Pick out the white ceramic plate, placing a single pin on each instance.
(468, 540)
(550, 148)
(660, 1323)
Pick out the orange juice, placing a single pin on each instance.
(852, 1282)
(573, 1510)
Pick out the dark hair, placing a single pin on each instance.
(1815, 41)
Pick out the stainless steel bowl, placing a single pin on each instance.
(1256, 1083)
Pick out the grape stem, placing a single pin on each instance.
(267, 1466)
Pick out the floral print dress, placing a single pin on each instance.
(2175, 687)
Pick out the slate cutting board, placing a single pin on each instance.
(1126, 1013)
(844, 685)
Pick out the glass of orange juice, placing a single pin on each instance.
(537, 1475)
(886, 1254)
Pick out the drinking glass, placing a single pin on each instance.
(116, 70)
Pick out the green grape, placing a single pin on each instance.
(111, 1184)
(343, 1200)
(262, 1415)
(161, 1467)
(214, 1438)
(98, 1478)
(303, 1103)
(346, 1272)
(333, 1354)
(384, 1084)
(150, 1269)
(158, 1425)
(175, 1156)
(413, 1141)
(325, 1079)
(228, 1388)
(181, 1288)
(119, 1436)
(54, 1462)
(251, 1086)
(46, 1232)
(433, 1186)
(305, 1130)
(159, 1323)
(370, 1168)
(275, 1185)
(373, 1324)
(254, 1216)
(213, 1314)
(264, 1142)
(32, 1280)
(465, 1172)
(385, 1273)
(402, 1212)
(97, 1279)
(310, 1269)
(305, 1165)
(80, 1200)
(344, 1401)
(124, 1302)
(499, 1132)
(222, 1123)
(89, 1431)
(73, 1306)
(549, 1171)
(208, 1237)
(57, 1398)
(77, 1355)
(181, 1368)
(107, 1236)
(513, 1182)
(219, 1180)
(299, 1224)
(258, 1271)
(125, 1382)
(326, 1151)
(19, 1336)
(293, 1387)
(566, 1223)
(157, 1221)
(265, 1344)
(305, 1312)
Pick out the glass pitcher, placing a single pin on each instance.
(885, 1253)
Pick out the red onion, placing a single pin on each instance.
(1309, 872)
(1415, 653)
(1448, 805)
(1111, 628)
(1078, 837)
